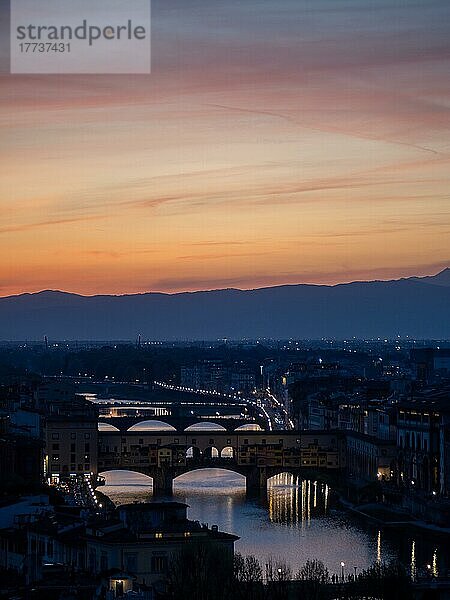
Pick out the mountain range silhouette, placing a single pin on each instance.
(414, 306)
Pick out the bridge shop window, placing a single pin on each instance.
(280, 442)
(229, 442)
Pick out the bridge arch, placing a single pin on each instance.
(212, 477)
(211, 452)
(107, 427)
(126, 478)
(249, 427)
(193, 452)
(151, 425)
(205, 426)
(227, 452)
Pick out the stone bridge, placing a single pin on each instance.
(257, 455)
(180, 423)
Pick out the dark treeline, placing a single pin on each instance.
(149, 362)
(120, 362)
(201, 574)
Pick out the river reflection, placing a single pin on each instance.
(297, 521)
(292, 501)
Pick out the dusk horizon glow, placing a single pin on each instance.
(273, 143)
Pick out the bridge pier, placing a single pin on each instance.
(256, 481)
(162, 482)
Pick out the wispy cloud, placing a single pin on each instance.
(309, 144)
(49, 223)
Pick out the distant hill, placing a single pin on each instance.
(417, 306)
(442, 278)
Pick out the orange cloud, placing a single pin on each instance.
(305, 145)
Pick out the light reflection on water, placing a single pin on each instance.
(297, 522)
(292, 501)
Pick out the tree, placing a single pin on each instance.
(248, 578)
(278, 577)
(386, 581)
(379, 582)
(314, 577)
(200, 572)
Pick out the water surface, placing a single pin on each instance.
(297, 521)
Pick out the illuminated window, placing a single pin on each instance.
(158, 535)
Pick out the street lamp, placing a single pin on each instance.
(342, 569)
(356, 568)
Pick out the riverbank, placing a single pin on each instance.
(390, 517)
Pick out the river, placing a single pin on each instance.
(298, 521)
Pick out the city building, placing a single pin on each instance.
(71, 439)
(419, 444)
(71, 447)
(217, 376)
(207, 375)
(137, 542)
(21, 456)
(431, 364)
(368, 458)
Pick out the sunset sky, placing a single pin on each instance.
(283, 141)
